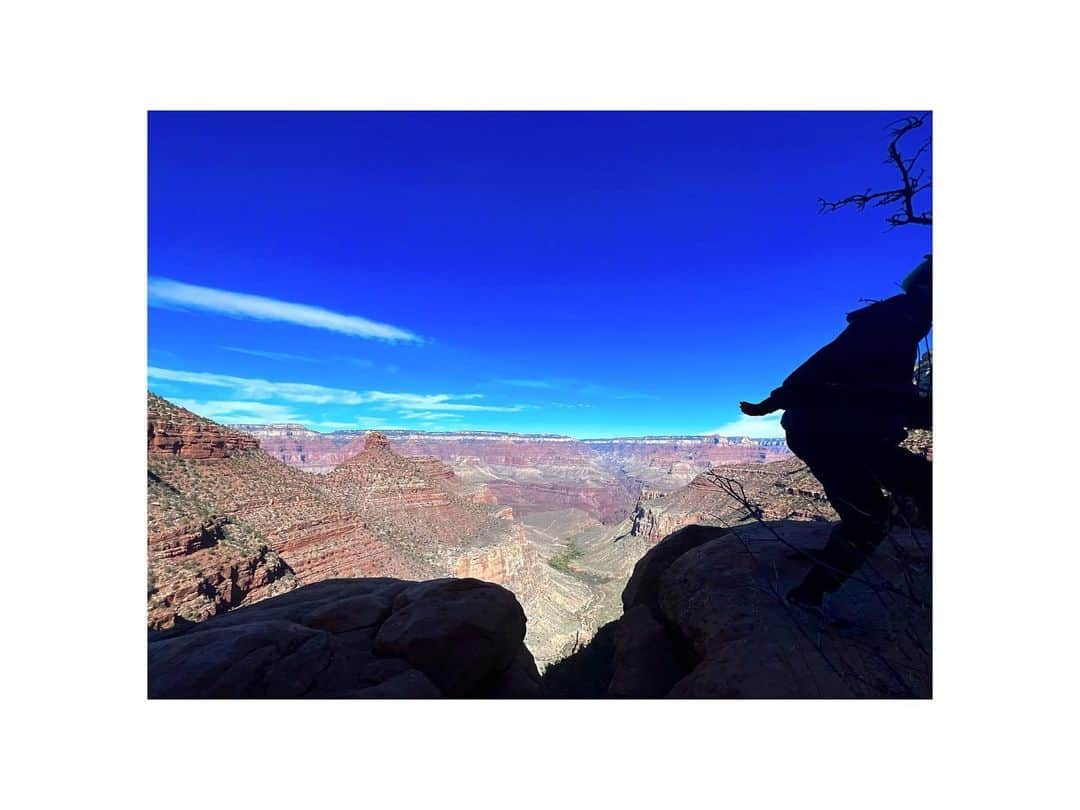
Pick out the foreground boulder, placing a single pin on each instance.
(354, 638)
(704, 616)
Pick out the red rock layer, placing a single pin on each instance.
(306, 449)
(535, 472)
(211, 581)
(174, 431)
(609, 503)
(514, 564)
(394, 491)
(229, 530)
(184, 539)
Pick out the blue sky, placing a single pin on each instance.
(590, 274)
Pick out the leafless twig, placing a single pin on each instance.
(912, 182)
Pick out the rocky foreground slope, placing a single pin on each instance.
(704, 616)
(358, 638)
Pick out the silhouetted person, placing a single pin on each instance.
(846, 411)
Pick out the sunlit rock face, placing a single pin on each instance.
(173, 431)
(236, 526)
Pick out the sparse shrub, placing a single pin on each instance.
(561, 561)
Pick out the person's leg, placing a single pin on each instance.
(855, 494)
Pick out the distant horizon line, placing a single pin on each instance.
(246, 425)
(359, 430)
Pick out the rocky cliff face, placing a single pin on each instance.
(782, 490)
(527, 473)
(416, 504)
(200, 562)
(305, 449)
(235, 526)
(173, 431)
(230, 529)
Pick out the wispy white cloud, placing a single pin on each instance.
(593, 390)
(431, 416)
(236, 411)
(170, 294)
(271, 355)
(755, 427)
(542, 384)
(359, 362)
(248, 388)
(583, 388)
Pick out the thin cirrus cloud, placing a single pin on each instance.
(237, 411)
(270, 355)
(253, 389)
(170, 294)
(583, 388)
(545, 385)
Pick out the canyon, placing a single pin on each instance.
(535, 473)
(238, 515)
(228, 525)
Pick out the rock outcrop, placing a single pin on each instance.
(199, 563)
(230, 529)
(358, 638)
(704, 616)
(304, 448)
(400, 493)
(780, 490)
(173, 431)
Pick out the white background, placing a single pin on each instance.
(79, 79)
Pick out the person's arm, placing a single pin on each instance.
(773, 402)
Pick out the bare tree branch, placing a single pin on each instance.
(912, 182)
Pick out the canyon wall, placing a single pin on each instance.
(229, 525)
(668, 462)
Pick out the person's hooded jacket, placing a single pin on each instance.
(868, 370)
